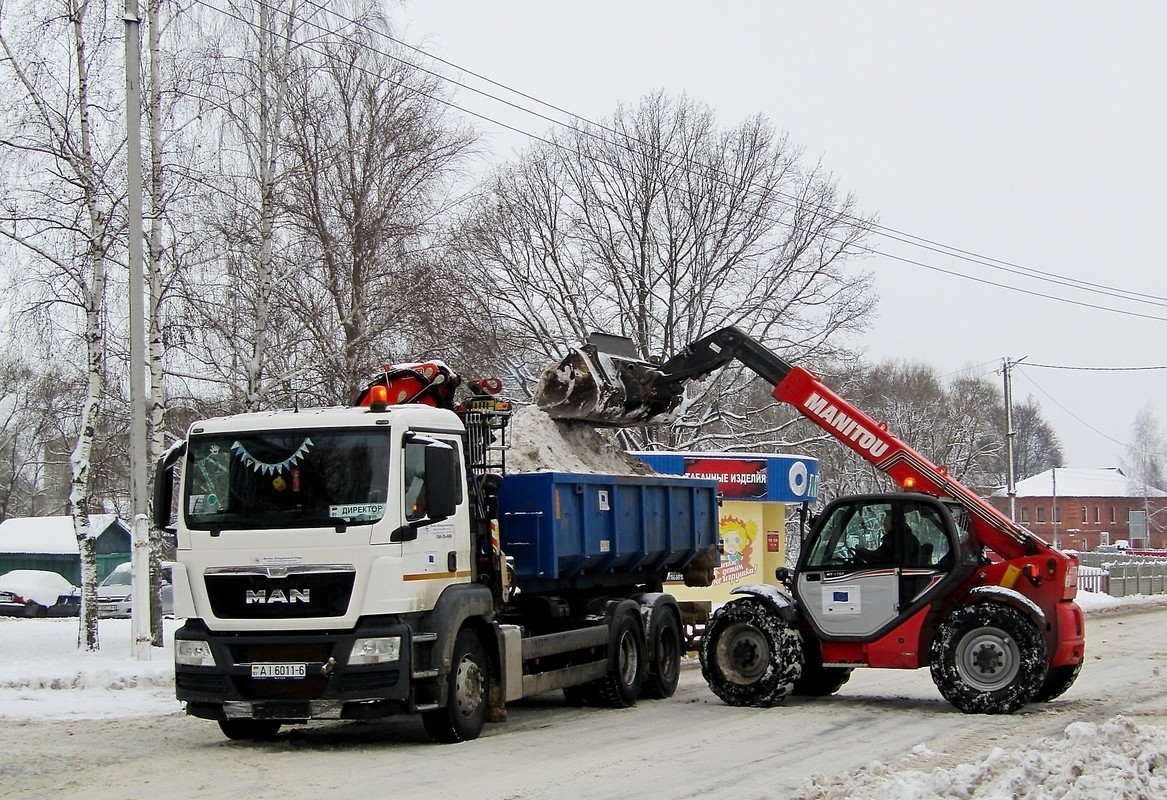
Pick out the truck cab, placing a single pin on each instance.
(315, 549)
(320, 517)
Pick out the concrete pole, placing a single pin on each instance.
(140, 608)
(1010, 478)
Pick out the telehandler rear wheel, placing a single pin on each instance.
(1057, 681)
(988, 658)
(749, 655)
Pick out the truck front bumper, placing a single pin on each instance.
(292, 676)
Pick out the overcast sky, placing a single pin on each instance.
(1032, 134)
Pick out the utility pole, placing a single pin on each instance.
(140, 602)
(1010, 478)
(1054, 510)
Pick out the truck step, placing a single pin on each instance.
(427, 706)
(425, 637)
(422, 674)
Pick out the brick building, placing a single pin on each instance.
(1080, 509)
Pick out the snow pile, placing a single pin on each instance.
(539, 443)
(1117, 759)
(44, 676)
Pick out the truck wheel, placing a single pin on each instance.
(988, 659)
(817, 680)
(464, 715)
(621, 686)
(664, 644)
(256, 730)
(750, 656)
(1057, 681)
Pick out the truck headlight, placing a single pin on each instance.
(193, 653)
(378, 650)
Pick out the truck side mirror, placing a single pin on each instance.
(164, 486)
(443, 483)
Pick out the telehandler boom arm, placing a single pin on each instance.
(608, 385)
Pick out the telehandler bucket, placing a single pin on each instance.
(605, 383)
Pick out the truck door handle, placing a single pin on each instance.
(452, 561)
(813, 576)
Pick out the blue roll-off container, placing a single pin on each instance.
(568, 530)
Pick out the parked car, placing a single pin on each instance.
(115, 593)
(38, 593)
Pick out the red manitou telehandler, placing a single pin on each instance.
(930, 576)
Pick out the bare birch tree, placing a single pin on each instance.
(65, 202)
(1144, 466)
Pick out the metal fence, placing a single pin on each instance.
(1120, 575)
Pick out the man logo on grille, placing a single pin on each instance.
(265, 597)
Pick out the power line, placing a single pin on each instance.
(1094, 369)
(1125, 445)
(1051, 398)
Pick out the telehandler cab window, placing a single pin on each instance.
(849, 529)
(286, 479)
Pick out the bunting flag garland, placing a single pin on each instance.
(270, 469)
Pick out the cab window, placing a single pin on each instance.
(414, 472)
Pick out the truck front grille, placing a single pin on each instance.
(294, 593)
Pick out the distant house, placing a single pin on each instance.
(49, 543)
(1080, 509)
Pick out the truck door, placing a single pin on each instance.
(869, 562)
(435, 550)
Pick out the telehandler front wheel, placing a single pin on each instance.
(988, 658)
(749, 655)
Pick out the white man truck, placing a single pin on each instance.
(363, 561)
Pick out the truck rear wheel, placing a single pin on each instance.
(750, 656)
(464, 714)
(988, 659)
(258, 730)
(665, 647)
(621, 686)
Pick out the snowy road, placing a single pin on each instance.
(689, 746)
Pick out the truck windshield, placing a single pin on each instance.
(286, 479)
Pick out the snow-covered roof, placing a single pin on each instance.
(47, 535)
(1070, 482)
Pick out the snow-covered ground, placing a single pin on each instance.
(44, 677)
